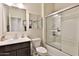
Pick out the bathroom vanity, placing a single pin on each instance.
(17, 47)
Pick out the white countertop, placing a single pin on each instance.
(14, 41)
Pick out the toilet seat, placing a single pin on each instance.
(41, 50)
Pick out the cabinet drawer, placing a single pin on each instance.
(15, 46)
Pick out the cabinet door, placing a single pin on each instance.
(23, 52)
(12, 53)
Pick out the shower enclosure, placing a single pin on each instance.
(53, 30)
(63, 30)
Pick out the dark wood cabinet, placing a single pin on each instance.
(19, 49)
(23, 52)
(12, 53)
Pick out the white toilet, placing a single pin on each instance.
(41, 51)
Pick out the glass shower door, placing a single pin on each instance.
(63, 31)
(53, 31)
(70, 31)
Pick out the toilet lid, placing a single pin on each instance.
(41, 50)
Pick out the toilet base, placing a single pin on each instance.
(44, 54)
(39, 54)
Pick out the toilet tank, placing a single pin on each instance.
(36, 42)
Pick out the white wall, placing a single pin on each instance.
(5, 17)
(34, 8)
(48, 8)
(0, 19)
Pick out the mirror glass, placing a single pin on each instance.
(15, 24)
(17, 19)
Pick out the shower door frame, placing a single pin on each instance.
(59, 12)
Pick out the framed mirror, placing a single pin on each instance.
(16, 21)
